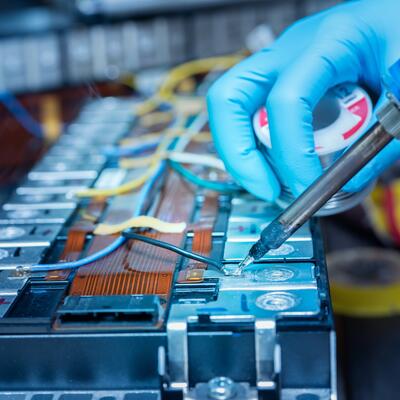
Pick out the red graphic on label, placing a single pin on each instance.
(360, 108)
(263, 117)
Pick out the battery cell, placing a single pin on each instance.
(246, 305)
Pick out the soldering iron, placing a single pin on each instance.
(386, 129)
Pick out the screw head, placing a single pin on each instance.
(221, 388)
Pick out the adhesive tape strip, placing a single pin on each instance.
(346, 111)
(143, 221)
(366, 302)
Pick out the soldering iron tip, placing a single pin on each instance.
(244, 264)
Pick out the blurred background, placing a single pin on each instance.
(48, 44)
(55, 54)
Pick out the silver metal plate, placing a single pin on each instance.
(71, 163)
(70, 152)
(11, 283)
(268, 277)
(256, 209)
(28, 235)
(54, 186)
(40, 201)
(66, 175)
(80, 394)
(249, 230)
(247, 306)
(11, 257)
(291, 250)
(79, 134)
(35, 216)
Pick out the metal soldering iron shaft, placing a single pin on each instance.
(333, 179)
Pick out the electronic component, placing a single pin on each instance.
(109, 312)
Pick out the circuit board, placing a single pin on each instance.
(84, 308)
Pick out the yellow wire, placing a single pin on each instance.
(143, 139)
(143, 221)
(182, 72)
(155, 118)
(186, 70)
(201, 137)
(139, 162)
(137, 182)
(166, 92)
(147, 106)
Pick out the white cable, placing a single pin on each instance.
(198, 159)
(193, 129)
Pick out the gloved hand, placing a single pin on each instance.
(352, 42)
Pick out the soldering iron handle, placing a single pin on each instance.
(335, 177)
(315, 197)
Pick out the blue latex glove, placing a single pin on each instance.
(352, 42)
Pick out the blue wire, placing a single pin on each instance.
(143, 194)
(21, 114)
(83, 261)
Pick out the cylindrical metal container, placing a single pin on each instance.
(365, 289)
(339, 119)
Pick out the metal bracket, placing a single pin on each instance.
(178, 358)
(266, 353)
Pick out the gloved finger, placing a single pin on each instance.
(232, 101)
(291, 102)
(383, 160)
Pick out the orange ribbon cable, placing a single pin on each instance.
(77, 235)
(138, 268)
(202, 241)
